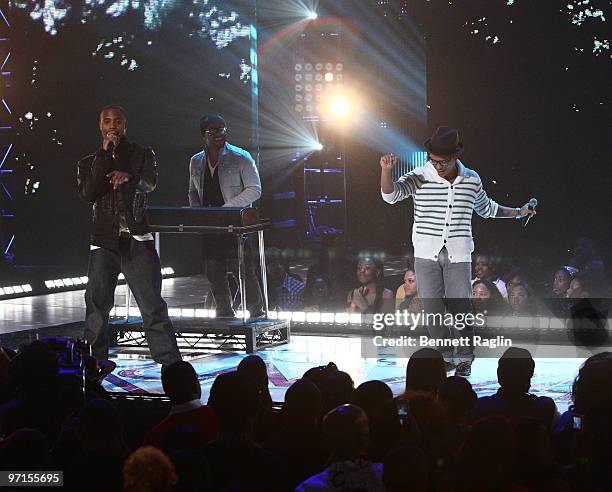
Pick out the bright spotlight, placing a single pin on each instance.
(329, 77)
(340, 107)
(312, 15)
(319, 146)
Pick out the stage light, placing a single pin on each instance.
(312, 15)
(319, 146)
(342, 318)
(329, 77)
(340, 107)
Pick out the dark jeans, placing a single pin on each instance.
(446, 287)
(141, 267)
(221, 256)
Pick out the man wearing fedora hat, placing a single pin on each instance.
(445, 195)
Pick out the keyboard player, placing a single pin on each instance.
(223, 175)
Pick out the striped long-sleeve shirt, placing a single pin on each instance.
(443, 210)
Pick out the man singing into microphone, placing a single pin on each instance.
(116, 180)
(223, 175)
(445, 194)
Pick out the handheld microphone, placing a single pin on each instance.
(110, 149)
(533, 203)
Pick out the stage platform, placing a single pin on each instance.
(137, 374)
(61, 314)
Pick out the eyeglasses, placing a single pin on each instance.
(443, 162)
(222, 130)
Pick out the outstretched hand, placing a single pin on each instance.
(388, 162)
(118, 178)
(525, 210)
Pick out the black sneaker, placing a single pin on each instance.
(449, 366)
(464, 369)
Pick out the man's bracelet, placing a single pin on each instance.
(518, 213)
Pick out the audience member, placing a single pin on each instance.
(516, 276)
(406, 468)
(487, 299)
(192, 471)
(433, 425)
(346, 432)
(370, 396)
(148, 470)
(514, 372)
(458, 399)
(100, 430)
(24, 450)
(236, 461)
(406, 295)
(522, 300)
(425, 372)
(585, 430)
(486, 268)
(285, 289)
(561, 283)
(181, 385)
(318, 295)
(487, 460)
(337, 390)
(34, 379)
(590, 284)
(319, 374)
(254, 367)
(371, 296)
(537, 468)
(299, 437)
(556, 296)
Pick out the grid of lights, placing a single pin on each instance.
(314, 83)
(15, 289)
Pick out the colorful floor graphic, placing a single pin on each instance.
(286, 363)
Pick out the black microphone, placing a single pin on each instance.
(110, 150)
(533, 203)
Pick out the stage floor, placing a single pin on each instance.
(61, 314)
(286, 363)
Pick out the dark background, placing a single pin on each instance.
(533, 111)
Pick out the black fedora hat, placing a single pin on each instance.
(444, 141)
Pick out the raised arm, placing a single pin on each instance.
(391, 191)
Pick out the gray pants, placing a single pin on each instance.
(446, 287)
